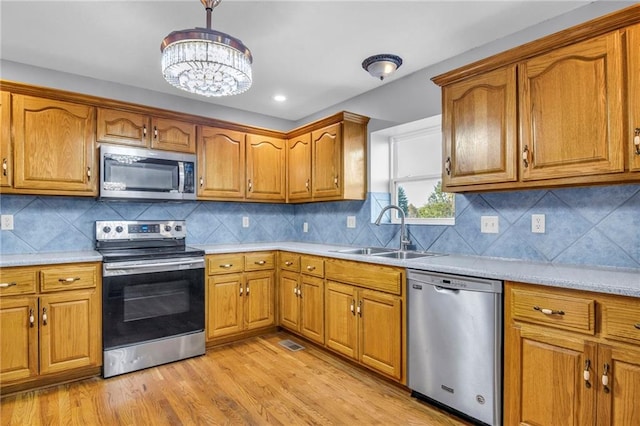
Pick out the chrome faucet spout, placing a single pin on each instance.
(405, 242)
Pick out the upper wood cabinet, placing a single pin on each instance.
(5, 139)
(480, 129)
(221, 161)
(54, 146)
(633, 96)
(129, 128)
(571, 113)
(299, 168)
(327, 160)
(561, 122)
(266, 168)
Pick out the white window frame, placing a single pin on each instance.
(427, 127)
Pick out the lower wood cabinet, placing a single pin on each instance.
(571, 358)
(239, 294)
(50, 322)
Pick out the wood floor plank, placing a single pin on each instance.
(253, 382)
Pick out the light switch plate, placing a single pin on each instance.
(6, 221)
(489, 225)
(305, 227)
(245, 221)
(537, 223)
(351, 221)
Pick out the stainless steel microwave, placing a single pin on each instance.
(139, 173)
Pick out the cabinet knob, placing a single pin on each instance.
(310, 268)
(525, 156)
(636, 140)
(447, 166)
(288, 263)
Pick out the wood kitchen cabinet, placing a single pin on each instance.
(54, 147)
(362, 322)
(327, 177)
(480, 129)
(299, 168)
(50, 318)
(221, 163)
(6, 155)
(266, 168)
(571, 357)
(141, 130)
(632, 139)
(239, 294)
(302, 295)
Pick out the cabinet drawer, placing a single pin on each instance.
(312, 265)
(18, 281)
(68, 277)
(621, 320)
(560, 311)
(224, 263)
(289, 262)
(375, 277)
(259, 261)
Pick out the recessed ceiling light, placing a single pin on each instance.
(279, 98)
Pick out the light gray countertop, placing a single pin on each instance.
(604, 280)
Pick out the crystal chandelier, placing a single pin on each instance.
(205, 61)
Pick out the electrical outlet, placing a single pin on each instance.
(305, 227)
(7, 222)
(245, 221)
(537, 224)
(489, 225)
(351, 221)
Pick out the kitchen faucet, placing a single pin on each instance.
(405, 242)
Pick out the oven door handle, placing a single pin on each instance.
(137, 268)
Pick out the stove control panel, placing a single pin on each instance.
(109, 230)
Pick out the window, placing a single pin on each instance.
(415, 180)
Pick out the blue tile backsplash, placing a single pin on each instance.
(587, 226)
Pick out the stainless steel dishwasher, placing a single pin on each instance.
(455, 343)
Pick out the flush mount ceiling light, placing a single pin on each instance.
(205, 61)
(381, 66)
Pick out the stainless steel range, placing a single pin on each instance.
(153, 294)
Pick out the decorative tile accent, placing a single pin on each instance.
(597, 226)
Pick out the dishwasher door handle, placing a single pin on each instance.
(441, 289)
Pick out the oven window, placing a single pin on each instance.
(155, 300)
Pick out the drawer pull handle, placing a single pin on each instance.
(247, 290)
(44, 316)
(4, 167)
(288, 263)
(295, 291)
(548, 311)
(68, 280)
(586, 374)
(32, 319)
(260, 262)
(7, 285)
(241, 290)
(637, 325)
(605, 378)
(525, 156)
(353, 302)
(310, 268)
(360, 308)
(447, 166)
(226, 265)
(636, 140)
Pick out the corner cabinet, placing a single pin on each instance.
(50, 318)
(54, 147)
(559, 111)
(130, 128)
(571, 357)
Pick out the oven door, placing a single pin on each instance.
(148, 300)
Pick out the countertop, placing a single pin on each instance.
(603, 280)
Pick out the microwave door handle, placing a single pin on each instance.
(181, 177)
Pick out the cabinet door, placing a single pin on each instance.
(70, 331)
(221, 163)
(266, 158)
(544, 382)
(312, 308)
(327, 161)
(480, 129)
(380, 332)
(173, 135)
(18, 338)
(289, 300)
(619, 406)
(54, 146)
(633, 96)
(341, 325)
(121, 127)
(5, 139)
(259, 299)
(571, 112)
(299, 168)
(225, 297)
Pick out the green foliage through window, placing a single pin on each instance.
(439, 204)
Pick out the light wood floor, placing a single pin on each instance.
(253, 382)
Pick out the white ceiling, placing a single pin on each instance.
(310, 51)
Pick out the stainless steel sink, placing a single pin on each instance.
(403, 255)
(364, 250)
